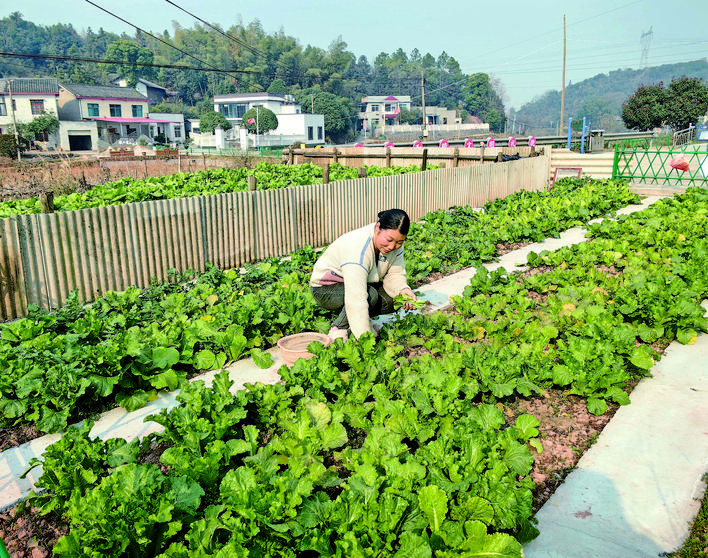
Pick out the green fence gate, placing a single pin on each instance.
(669, 167)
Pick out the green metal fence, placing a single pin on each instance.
(664, 166)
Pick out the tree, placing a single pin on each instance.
(210, 119)
(8, 146)
(339, 113)
(646, 108)
(278, 87)
(45, 123)
(128, 53)
(481, 100)
(36, 129)
(264, 119)
(687, 102)
(679, 105)
(410, 116)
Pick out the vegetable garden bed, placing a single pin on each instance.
(200, 183)
(409, 445)
(63, 366)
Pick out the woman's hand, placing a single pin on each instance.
(410, 293)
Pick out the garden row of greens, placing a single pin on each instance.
(364, 451)
(200, 183)
(61, 366)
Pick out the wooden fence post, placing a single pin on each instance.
(499, 157)
(252, 183)
(388, 157)
(46, 201)
(291, 156)
(145, 161)
(204, 160)
(455, 156)
(424, 164)
(335, 155)
(325, 173)
(481, 155)
(362, 172)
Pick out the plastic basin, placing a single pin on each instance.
(294, 346)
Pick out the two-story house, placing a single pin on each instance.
(293, 124)
(118, 112)
(22, 99)
(153, 91)
(379, 110)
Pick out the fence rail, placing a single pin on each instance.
(44, 257)
(403, 156)
(666, 167)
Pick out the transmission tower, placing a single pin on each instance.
(645, 41)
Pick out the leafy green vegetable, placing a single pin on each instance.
(400, 300)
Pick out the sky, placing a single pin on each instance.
(519, 42)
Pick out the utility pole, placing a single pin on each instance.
(14, 122)
(425, 118)
(563, 90)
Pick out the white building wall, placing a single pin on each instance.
(77, 128)
(299, 125)
(23, 107)
(174, 131)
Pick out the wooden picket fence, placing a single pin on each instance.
(44, 257)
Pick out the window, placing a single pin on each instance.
(3, 107)
(233, 110)
(115, 110)
(388, 107)
(37, 106)
(310, 134)
(137, 111)
(178, 131)
(319, 132)
(93, 109)
(374, 108)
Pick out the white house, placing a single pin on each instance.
(170, 125)
(293, 124)
(21, 99)
(377, 110)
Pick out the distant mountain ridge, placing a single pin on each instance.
(600, 98)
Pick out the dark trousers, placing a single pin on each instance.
(331, 297)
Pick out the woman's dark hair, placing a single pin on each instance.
(395, 219)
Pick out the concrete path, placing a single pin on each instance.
(633, 494)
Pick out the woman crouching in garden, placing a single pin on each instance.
(361, 272)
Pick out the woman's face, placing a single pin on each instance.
(387, 240)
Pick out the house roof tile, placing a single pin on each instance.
(29, 85)
(80, 90)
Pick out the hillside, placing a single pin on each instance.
(254, 61)
(600, 98)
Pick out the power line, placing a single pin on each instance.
(153, 36)
(238, 41)
(142, 64)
